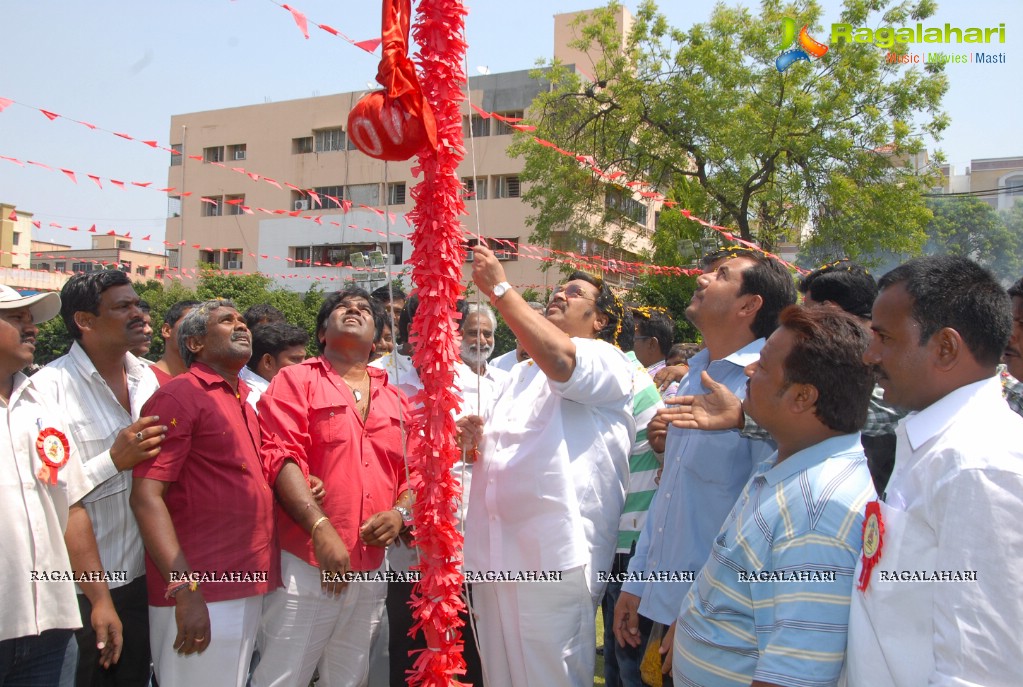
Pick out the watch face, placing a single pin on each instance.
(500, 290)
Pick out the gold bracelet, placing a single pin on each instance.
(323, 518)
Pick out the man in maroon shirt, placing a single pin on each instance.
(205, 510)
(337, 418)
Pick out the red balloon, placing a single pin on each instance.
(384, 129)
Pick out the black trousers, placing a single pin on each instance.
(132, 604)
(399, 619)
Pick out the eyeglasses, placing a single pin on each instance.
(572, 291)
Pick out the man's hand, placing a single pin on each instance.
(470, 432)
(332, 556)
(670, 374)
(657, 432)
(193, 622)
(487, 270)
(667, 649)
(381, 528)
(626, 620)
(316, 489)
(109, 633)
(718, 409)
(129, 449)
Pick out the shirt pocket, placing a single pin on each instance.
(93, 438)
(328, 424)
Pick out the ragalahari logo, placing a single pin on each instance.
(808, 47)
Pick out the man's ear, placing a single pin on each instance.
(165, 331)
(194, 344)
(750, 305)
(84, 319)
(802, 398)
(599, 322)
(947, 347)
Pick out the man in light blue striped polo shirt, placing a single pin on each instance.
(771, 604)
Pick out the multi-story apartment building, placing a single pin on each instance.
(998, 181)
(107, 251)
(280, 188)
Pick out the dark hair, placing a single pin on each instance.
(1016, 290)
(389, 294)
(262, 313)
(770, 280)
(331, 303)
(828, 354)
(196, 323)
(844, 283)
(273, 338)
(684, 351)
(405, 318)
(608, 304)
(627, 337)
(177, 311)
(657, 324)
(726, 253)
(82, 292)
(952, 291)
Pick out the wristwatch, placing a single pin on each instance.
(406, 516)
(501, 289)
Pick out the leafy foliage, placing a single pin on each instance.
(704, 116)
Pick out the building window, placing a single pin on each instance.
(475, 188)
(123, 244)
(328, 140)
(301, 255)
(17, 238)
(141, 270)
(363, 194)
(506, 249)
(623, 203)
(396, 193)
(302, 145)
(159, 273)
(233, 204)
(480, 127)
(325, 198)
(177, 153)
(214, 154)
(502, 128)
(82, 267)
(397, 252)
(232, 259)
(174, 206)
(61, 267)
(209, 257)
(212, 206)
(237, 152)
(506, 187)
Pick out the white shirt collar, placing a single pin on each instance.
(921, 427)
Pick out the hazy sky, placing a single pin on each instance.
(129, 66)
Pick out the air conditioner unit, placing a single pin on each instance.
(234, 264)
(301, 204)
(239, 155)
(502, 255)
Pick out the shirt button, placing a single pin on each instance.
(332, 413)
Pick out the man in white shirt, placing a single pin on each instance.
(477, 326)
(275, 345)
(937, 600)
(101, 388)
(550, 485)
(48, 533)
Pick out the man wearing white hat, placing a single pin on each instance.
(41, 480)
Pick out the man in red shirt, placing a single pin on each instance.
(205, 510)
(334, 417)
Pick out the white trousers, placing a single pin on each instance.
(225, 662)
(536, 634)
(304, 629)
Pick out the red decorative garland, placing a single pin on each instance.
(437, 257)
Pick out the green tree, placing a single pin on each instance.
(968, 226)
(705, 117)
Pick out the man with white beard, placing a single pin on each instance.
(477, 329)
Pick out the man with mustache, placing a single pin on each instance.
(938, 598)
(477, 327)
(101, 387)
(205, 510)
(41, 482)
(549, 487)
